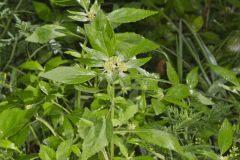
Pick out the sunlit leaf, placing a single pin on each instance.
(225, 136)
(69, 75)
(64, 150)
(192, 78)
(130, 44)
(126, 15)
(46, 153)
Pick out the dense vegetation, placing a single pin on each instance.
(119, 80)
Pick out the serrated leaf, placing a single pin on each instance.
(69, 75)
(126, 15)
(225, 136)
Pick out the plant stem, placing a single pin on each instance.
(111, 92)
(180, 53)
(77, 99)
(12, 54)
(35, 135)
(48, 126)
(105, 154)
(37, 50)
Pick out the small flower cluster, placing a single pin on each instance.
(91, 15)
(224, 158)
(115, 64)
(235, 152)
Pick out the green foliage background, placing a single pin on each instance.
(116, 80)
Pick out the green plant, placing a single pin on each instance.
(83, 89)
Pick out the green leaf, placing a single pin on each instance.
(95, 140)
(158, 106)
(126, 15)
(95, 54)
(68, 130)
(176, 102)
(130, 44)
(84, 3)
(32, 65)
(209, 154)
(225, 136)
(179, 91)
(226, 74)
(202, 99)
(21, 136)
(55, 62)
(46, 153)
(118, 142)
(76, 150)
(64, 3)
(11, 121)
(52, 141)
(74, 54)
(45, 33)
(128, 113)
(86, 89)
(69, 75)
(5, 144)
(192, 78)
(143, 158)
(134, 63)
(198, 23)
(64, 150)
(160, 138)
(179, 7)
(101, 35)
(43, 11)
(172, 74)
